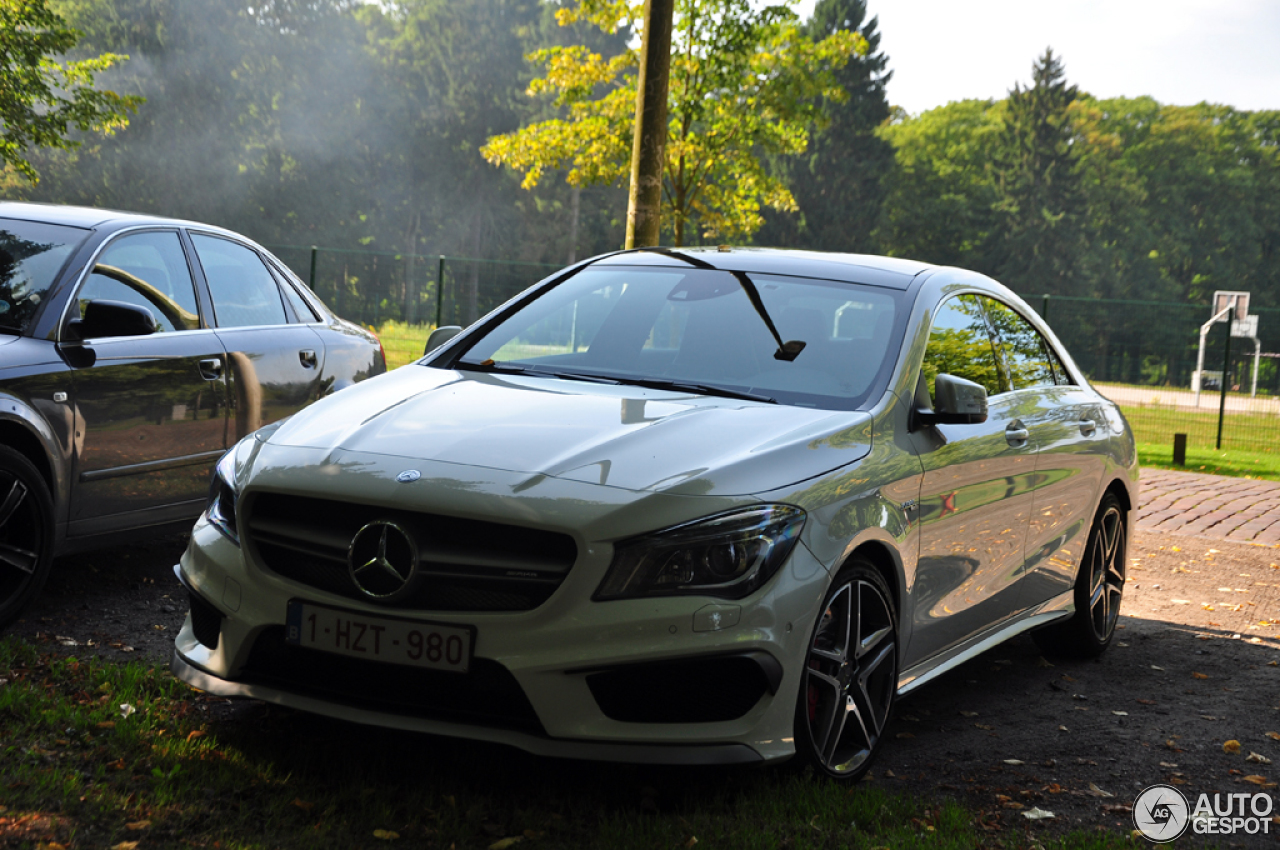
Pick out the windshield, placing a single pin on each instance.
(699, 330)
(31, 254)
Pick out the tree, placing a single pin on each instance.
(745, 84)
(1041, 198)
(42, 99)
(838, 182)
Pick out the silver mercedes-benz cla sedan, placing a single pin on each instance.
(710, 505)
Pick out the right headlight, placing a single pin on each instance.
(729, 555)
(224, 486)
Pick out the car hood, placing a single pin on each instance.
(617, 436)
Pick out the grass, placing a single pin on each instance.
(1234, 462)
(186, 769)
(402, 342)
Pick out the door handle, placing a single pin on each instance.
(211, 369)
(1087, 427)
(1016, 433)
(307, 358)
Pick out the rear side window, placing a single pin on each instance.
(244, 292)
(31, 255)
(1027, 356)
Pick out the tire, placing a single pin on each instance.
(26, 534)
(850, 678)
(1098, 592)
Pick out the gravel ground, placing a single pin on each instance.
(1193, 668)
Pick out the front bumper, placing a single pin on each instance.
(552, 681)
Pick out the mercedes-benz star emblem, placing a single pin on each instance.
(383, 561)
(408, 475)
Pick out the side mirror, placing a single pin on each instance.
(956, 402)
(112, 318)
(440, 336)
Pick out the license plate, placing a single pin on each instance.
(412, 643)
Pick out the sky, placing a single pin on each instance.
(1180, 52)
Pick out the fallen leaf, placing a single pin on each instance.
(386, 834)
(137, 825)
(123, 845)
(302, 804)
(107, 724)
(968, 714)
(1063, 729)
(1037, 813)
(1257, 758)
(984, 726)
(1255, 779)
(1012, 806)
(1168, 764)
(1199, 676)
(126, 709)
(1041, 661)
(1154, 667)
(504, 843)
(195, 733)
(1230, 747)
(1014, 761)
(904, 735)
(1120, 713)
(692, 841)
(1275, 736)
(1146, 702)
(1098, 792)
(1177, 780)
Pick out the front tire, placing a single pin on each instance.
(1098, 592)
(26, 534)
(850, 677)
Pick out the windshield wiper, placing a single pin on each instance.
(703, 389)
(497, 368)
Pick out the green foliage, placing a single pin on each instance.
(43, 99)
(746, 83)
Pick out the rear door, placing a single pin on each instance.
(274, 361)
(150, 410)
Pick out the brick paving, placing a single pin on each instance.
(1243, 510)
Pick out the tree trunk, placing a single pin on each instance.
(648, 145)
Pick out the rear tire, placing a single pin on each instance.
(1098, 592)
(26, 534)
(850, 678)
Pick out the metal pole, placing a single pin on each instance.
(311, 282)
(1226, 364)
(440, 291)
(1257, 354)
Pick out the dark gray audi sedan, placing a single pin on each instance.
(133, 351)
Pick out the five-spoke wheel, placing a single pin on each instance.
(850, 676)
(1099, 588)
(26, 533)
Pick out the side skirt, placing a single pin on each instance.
(1058, 608)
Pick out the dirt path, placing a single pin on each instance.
(1194, 666)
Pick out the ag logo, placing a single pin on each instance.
(1161, 813)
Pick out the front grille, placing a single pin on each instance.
(206, 621)
(486, 695)
(695, 690)
(465, 565)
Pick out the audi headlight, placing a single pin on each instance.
(729, 556)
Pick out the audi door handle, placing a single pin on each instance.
(211, 369)
(307, 358)
(1087, 427)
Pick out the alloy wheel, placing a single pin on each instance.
(1106, 572)
(851, 676)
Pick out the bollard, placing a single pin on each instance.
(1180, 449)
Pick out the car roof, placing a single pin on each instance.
(852, 268)
(87, 217)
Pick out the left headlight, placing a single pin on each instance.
(729, 556)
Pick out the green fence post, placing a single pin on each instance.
(1044, 307)
(1222, 398)
(440, 291)
(311, 281)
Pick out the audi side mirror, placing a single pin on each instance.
(440, 336)
(112, 318)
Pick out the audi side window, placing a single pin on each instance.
(244, 292)
(1026, 354)
(960, 344)
(147, 270)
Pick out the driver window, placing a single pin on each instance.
(960, 345)
(147, 270)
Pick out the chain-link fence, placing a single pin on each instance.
(1144, 355)
(404, 296)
